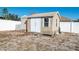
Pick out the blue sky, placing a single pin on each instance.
(70, 12)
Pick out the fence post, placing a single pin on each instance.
(71, 27)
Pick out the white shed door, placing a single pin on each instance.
(36, 25)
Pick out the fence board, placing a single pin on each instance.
(9, 25)
(69, 27)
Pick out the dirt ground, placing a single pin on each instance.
(21, 41)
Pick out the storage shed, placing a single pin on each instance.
(44, 23)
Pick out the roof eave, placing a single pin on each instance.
(40, 17)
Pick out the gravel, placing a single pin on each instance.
(21, 41)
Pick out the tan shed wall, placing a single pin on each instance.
(55, 20)
(46, 30)
(52, 28)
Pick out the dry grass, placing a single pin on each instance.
(21, 41)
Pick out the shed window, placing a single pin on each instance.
(46, 22)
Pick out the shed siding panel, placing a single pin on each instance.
(35, 25)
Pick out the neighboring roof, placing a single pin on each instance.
(65, 19)
(42, 14)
